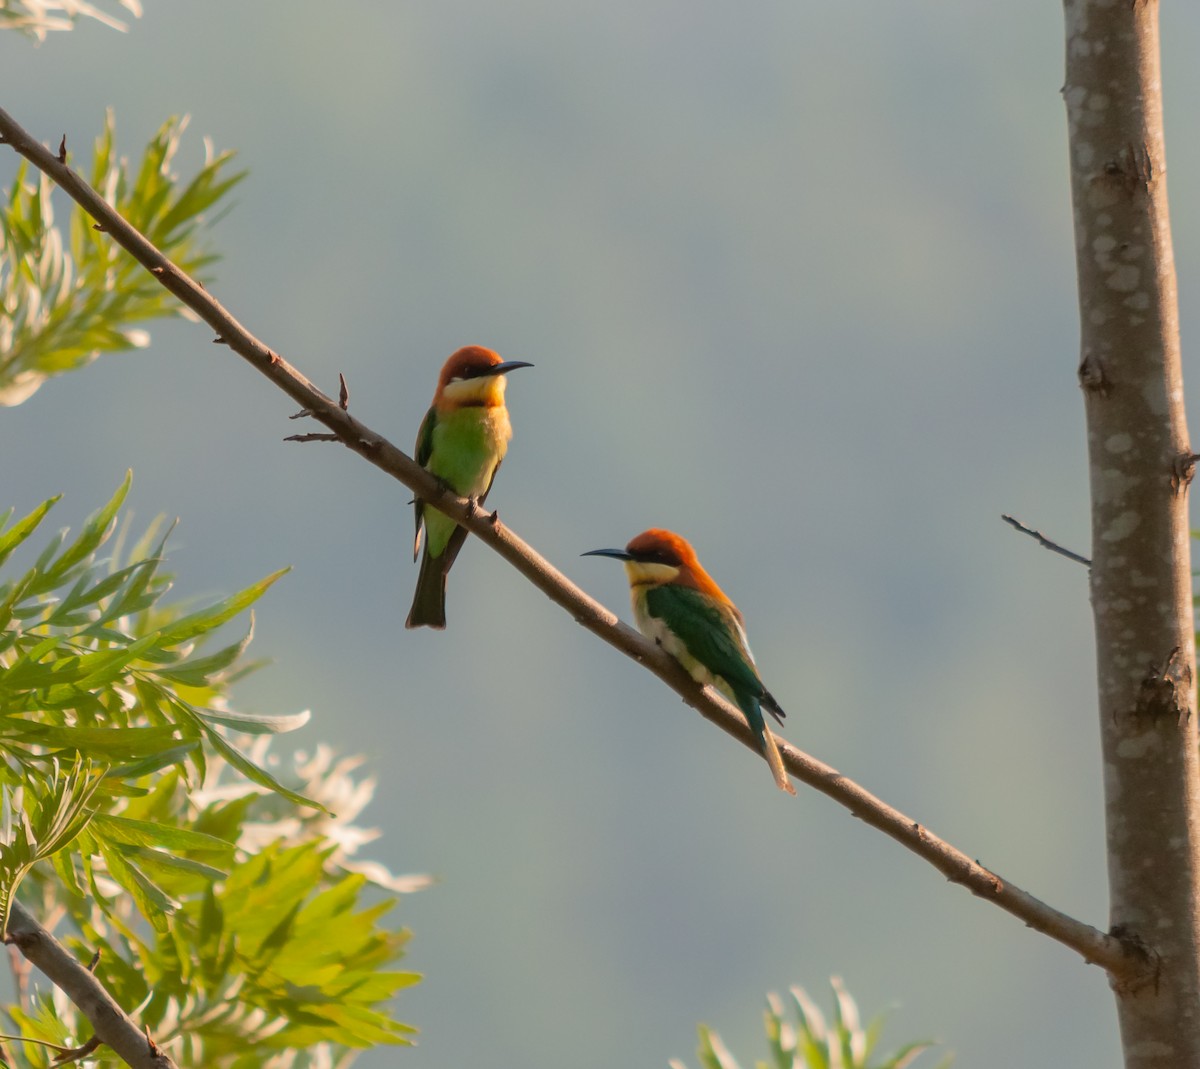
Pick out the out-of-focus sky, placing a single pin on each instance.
(798, 281)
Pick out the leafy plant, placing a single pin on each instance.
(809, 1042)
(223, 900)
(65, 301)
(36, 18)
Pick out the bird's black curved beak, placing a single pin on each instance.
(616, 554)
(507, 366)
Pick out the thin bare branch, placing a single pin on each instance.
(35, 1043)
(112, 1025)
(1094, 946)
(1042, 540)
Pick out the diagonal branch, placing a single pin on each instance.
(113, 1027)
(1094, 946)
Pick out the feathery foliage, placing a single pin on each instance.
(810, 1042)
(36, 18)
(66, 299)
(222, 900)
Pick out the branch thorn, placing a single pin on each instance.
(62, 149)
(312, 438)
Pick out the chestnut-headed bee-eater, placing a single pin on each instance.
(676, 603)
(462, 440)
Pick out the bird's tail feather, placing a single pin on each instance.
(429, 600)
(775, 760)
(766, 742)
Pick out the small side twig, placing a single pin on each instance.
(306, 413)
(1042, 540)
(34, 1042)
(78, 1053)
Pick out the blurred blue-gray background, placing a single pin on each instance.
(798, 281)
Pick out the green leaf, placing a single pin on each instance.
(198, 671)
(23, 528)
(153, 902)
(95, 531)
(82, 594)
(211, 618)
(253, 773)
(166, 862)
(8, 601)
(147, 833)
(154, 762)
(253, 723)
(115, 744)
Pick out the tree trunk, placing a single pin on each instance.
(1140, 464)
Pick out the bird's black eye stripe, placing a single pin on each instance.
(471, 373)
(660, 556)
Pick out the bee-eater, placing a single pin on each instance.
(462, 440)
(676, 603)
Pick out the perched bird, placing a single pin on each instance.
(676, 603)
(462, 440)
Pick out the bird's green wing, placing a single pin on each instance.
(424, 449)
(711, 633)
(425, 437)
(450, 553)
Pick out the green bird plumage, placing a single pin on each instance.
(462, 440)
(677, 603)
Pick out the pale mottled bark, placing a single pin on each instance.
(1140, 466)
